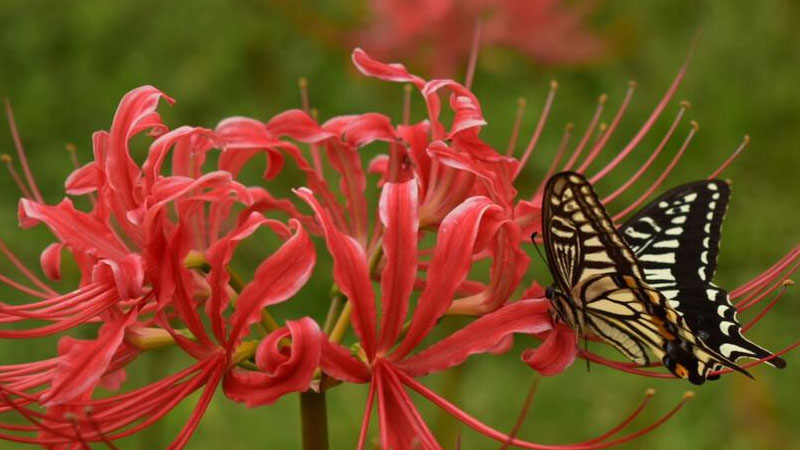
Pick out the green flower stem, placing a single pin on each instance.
(314, 420)
(342, 323)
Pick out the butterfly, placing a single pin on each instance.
(603, 281)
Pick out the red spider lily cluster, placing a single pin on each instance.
(155, 247)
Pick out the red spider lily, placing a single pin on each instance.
(139, 287)
(383, 358)
(433, 31)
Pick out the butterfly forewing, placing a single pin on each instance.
(676, 240)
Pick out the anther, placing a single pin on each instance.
(788, 282)
(695, 125)
(602, 99)
(688, 395)
(553, 85)
(685, 104)
(302, 84)
(6, 158)
(650, 392)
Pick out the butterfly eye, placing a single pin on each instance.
(550, 292)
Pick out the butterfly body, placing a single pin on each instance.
(602, 289)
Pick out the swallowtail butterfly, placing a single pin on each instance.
(676, 240)
(601, 287)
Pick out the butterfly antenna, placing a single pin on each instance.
(536, 246)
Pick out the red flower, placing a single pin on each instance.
(384, 359)
(432, 32)
(140, 286)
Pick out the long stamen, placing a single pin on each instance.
(548, 104)
(302, 84)
(473, 55)
(758, 295)
(407, 88)
(745, 143)
(607, 134)
(23, 160)
(24, 270)
(562, 147)
(73, 154)
(663, 176)
(651, 159)
(499, 436)
(6, 158)
(512, 141)
(786, 283)
(102, 436)
(601, 103)
(526, 406)
(622, 425)
(768, 275)
(362, 437)
(648, 124)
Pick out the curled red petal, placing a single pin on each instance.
(84, 362)
(485, 334)
(84, 179)
(136, 112)
(198, 138)
(298, 125)
(219, 257)
(362, 129)
(283, 370)
(51, 261)
(78, 230)
(127, 273)
(557, 352)
(389, 72)
(276, 279)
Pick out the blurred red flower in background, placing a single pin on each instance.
(433, 34)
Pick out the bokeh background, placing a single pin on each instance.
(65, 65)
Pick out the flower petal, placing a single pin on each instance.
(350, 272)
(557, 352)
(298, 125)
(338, 362)
(127, 273)
(282, 373)
(484, 334)
(389, 72)
(51, 261)
(452, 258)
(85, 362)
(278, 278)
(219, 257)
(399, 214)
(79, 231)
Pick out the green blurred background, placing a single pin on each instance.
(65, 65)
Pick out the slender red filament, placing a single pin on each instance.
(512, 141)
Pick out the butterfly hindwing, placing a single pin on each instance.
(676, 240)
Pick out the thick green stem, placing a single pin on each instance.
(314, 417)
